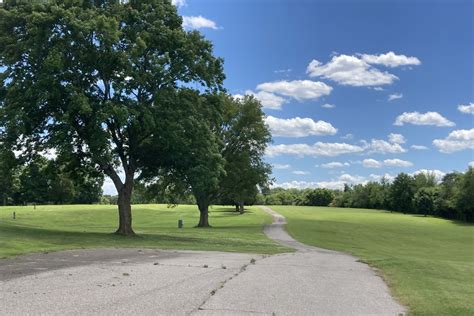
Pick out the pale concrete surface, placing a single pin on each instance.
(114, 281)
(311, 281)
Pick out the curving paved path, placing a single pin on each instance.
(310, 281)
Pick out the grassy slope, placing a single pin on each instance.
(52, 228)
(428, 262)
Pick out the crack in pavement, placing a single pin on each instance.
(222, 284)
(235, 310)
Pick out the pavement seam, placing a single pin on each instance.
(223, 283)
(234, 310)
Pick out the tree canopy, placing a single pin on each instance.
(244, 139)
(89, 78)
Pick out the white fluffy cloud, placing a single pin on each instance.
(334, 184)
(297, 89)
(383, 147)
(273, 95)
(268, 99)
(295, 185)
(335, 164)
(328, 106)
(359, 70)
(318, 149)
(396, 138)
(321, 149)
(281, 166)
(198, 22)
(352, 179)
(457, 140)
(283, 71)
(419, 147)
(468, 108)
(428, 118)
(372, 163)
(395, 96)
(351, 71)
(379, 177)
(397, 163)
(300, 172)
(471, 164)
(298, 127)
(178, 3)
(438, 174)
(390, 59)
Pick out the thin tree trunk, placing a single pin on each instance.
(241, 207)
(203, 214)
(237, 207)
(125, 209)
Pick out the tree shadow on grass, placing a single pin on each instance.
(235, 214)
(64, 237)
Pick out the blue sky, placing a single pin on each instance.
(379, 67)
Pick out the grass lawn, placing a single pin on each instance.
(52, 228)
(428, 262)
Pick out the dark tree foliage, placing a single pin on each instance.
(452, 197)
(191, 134)
(244, 138)
(402, 191)
(464, 196)
(424, 201)
(8, 165)
(89, 78)
(319, 197)
(44, 181)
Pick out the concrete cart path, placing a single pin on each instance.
(310, 281)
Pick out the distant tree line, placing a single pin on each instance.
(304, 197)
(46, 181)
(452, 197)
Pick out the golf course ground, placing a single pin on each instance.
(61, 227)
(427, 262)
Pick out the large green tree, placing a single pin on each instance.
(402, 192)
(191, 133)
(89, 78)
(465, 195)
(245, 137)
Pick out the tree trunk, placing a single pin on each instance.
(203, 214)
(125, 209)
(241, 207)
(237, 207)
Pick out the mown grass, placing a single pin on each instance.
(428, 262)
(53, 228)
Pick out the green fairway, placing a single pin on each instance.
(52, 228)
(428, 262)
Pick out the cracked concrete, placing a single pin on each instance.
(311, 281)
(114, 281)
